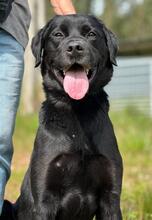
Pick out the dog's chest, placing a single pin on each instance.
(79, 128)
(76, 179)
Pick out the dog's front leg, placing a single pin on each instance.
(109, 207)
(47, 208)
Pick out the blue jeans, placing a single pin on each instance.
(11, 74)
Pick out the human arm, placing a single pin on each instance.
(63, 7)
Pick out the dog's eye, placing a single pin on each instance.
(58, 34)
(91, 34)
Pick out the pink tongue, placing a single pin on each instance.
(76, 84)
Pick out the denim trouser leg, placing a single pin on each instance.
(11, 73)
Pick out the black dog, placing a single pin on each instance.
(76, 168)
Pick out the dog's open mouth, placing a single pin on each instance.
(76, 80)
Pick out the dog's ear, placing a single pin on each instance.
(37, 46)
(38, 43)
(112, 44)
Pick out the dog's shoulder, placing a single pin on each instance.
(102, 100)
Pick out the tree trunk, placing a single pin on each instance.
(31, 82)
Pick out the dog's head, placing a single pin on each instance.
(76, 53)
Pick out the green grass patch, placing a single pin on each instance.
(25, 131)
(134, 135)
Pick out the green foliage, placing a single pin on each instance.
(83, 6)
(135, 23)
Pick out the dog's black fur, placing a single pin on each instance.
(75, 171)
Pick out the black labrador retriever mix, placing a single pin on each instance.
(75, 171)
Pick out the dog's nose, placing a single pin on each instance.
(75, 48)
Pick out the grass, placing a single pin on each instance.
(134, 134)
(23, 143)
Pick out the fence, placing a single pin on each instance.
(132, 84)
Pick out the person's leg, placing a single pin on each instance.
(11, 74)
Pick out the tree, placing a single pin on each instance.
(31, 82)
(136, 22)
(83, 6)
(110, 12)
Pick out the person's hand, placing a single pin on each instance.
(63, 7)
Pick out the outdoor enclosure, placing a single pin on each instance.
(131, 85)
